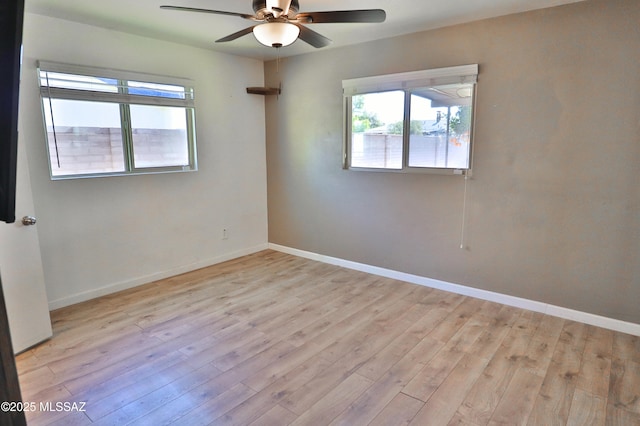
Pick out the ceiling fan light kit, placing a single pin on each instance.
(279, 24)
(276, 34)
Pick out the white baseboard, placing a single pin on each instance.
(532, 305)
(124, 285)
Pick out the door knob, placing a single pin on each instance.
(28, 220)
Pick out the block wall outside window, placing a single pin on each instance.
(105, 122)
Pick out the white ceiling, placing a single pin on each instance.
(144, 17)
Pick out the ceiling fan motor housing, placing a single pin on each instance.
(275, 8)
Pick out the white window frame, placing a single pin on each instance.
(407, 81)
(124, 99)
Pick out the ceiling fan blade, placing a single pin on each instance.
(340, 16)
(236, 35)
(313, 38)
(215, 12)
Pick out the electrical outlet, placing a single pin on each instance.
(225, 234)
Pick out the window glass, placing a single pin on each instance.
(79, 82)
(157, 90)
(377, 130)
(159, 136)
(84, 137)
(440, 127)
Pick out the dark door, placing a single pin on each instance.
(11, 16)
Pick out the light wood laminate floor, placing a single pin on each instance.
(273, 339)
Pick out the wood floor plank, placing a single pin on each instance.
(624, 385)
(543, 345)
(277, 416)
(75, 418)
(53, 395)
(626, 347)
(112, 395)
(556, 394)
(333, 403)
(443, 404)
(147, 406)
(122, 373)
(170, 411)
(483, 398)
(382, 392)
(291, 361)
(323, 382)
(494, 333)
(264, 401)
(399, 412)
(213, 408)
(382, 361)
(351, 354)
(274, 393)
(375, 327)
(322, 328)
(32, 381)
(617, 416)
(596, 363)
(274, 339)
(587, 409)
(458, 318)
(518, 399)
(427, 381)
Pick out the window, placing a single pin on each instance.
(415, 121)
(104, 122)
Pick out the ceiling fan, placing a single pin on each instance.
(279, 24)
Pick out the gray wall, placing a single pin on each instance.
(101, 235)
(553, 209)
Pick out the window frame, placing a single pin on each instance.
(407, 82)
(124, 100)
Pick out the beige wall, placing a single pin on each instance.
(554, 201)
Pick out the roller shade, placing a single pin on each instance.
(64, 81)
(464, 74)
